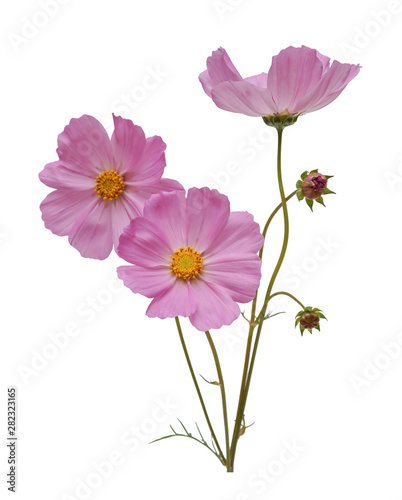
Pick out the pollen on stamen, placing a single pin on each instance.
(109, 185)
(186, 263)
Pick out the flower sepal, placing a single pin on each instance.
(312, 186)
(281, 120)
(309, 319)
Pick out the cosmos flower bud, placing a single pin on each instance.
(312, 186)
(309, 318)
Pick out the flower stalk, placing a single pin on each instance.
(248, 368)
(197, 388)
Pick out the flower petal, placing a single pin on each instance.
(329, 87)
(128, 144)
(207, 213)
(241, 235)
(243, 97)
(150, 281)
(60, 209)
(178, 300)
(144, 244)
(215, 307)
(122, 213)
(149, 168)
(219, 69)
(91, 234)
(85, 146)
(260, 80)
(293, 73)
(168, 212)
(239, 274)
(64, 175)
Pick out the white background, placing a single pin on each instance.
(321, 394)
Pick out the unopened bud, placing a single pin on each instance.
(309, 318)
(314, 186)
(309, 321)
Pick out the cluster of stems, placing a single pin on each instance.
(256, 322)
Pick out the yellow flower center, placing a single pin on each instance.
(109, 185)
(186, 263)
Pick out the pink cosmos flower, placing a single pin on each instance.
(300, 80)
(193, 256)
(101, 183)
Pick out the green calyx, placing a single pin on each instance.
(309, 319)
(280, 121)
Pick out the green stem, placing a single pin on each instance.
(264, 233)
(223, 393)
(244, 394)
(252, 321)
(198, 390)
(272, 216)
(289, 295)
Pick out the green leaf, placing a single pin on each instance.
(270, 315)
(310, 204)
(304, 175)
(299, 184)
(242, 313)
(300, 195)
(314, 171)
(208, 382)
(189, 435)
(328, 191)
(320, 200)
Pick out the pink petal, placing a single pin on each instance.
(122, 213)
(143, 243)
(238, 273)
(149, 168)
(219, 69)
(293, 73)
(150, 281)
(167, 211)
(178, 300)
(60, 209)
(215, 307)
(91, 234)
(329, 87)
(137, 198)
(243, 97)
(64, 175)
(128, 143)
(241, 235)
(85, 146)
(260, 80)
(207, 213)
